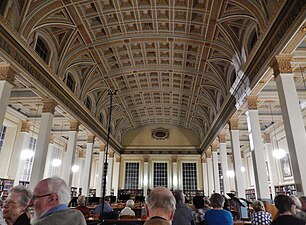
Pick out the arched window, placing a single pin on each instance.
(41, 49)
(88, 103)
(252, 40)
(70, 82)
(101, 117)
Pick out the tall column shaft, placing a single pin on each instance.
(256, 145)
(145, 176)
(116, 176)
(110, 173)
(224, 166)
(293, 120)
(99, 184)
(205, 176)
(234, 132)
(175, 175)
(70, 153)
(6, 85)
(39, 162)
(87, 166)
(216, 171)
(211, 185)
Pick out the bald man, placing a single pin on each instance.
(160, 205)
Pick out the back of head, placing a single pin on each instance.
(26, 194)
(216, 200)
(161, 198)
(258, 206)
(130, 203)
(179, 195)
(297, 201)
(81, 200)
(283, 203)
(58, 186)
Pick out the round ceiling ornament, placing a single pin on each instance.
(160, 133)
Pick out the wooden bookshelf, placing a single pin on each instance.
(250, 194)
(5, 185)
(288, 189)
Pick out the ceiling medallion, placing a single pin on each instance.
(160, 133)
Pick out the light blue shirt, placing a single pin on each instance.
(55, 209)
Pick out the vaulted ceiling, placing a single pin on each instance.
(175, 63)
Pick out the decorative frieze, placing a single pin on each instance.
(282, 64)
(233, 124)
(49, 106)
(7, 73)
(252, 102)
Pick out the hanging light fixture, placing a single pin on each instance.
(277, 152)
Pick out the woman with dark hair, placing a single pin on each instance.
(286, 207)
(217, 215)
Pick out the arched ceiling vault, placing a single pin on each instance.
(172, 62)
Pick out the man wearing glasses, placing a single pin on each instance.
(49, 202)
(15, 206)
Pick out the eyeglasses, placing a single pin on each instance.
(39, 196)
(9, 203)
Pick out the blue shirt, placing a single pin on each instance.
(218, 217)
(55, 209)
(107, 208)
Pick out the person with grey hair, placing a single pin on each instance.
(183, 214)
(50, 199)
(260, 216)
(15, 206)
(160, 206)
(296, 211)
(127, 211)
(81, 206)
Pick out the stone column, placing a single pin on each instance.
(88, 163)
(175, 174)
(21, 143)
(224, 163)
(81, 159)
(293, 119)
(145, 175)
(271, 163)
(100, 172)
(116, 175)
(110, 173)
(256, 146)
(211, 185)
(233, 123)
(49, 156)
(69, 158)
(6, 84)
(39, 162)
(215, 160)
(205, 175)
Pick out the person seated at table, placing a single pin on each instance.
(107, 209)
(183, 213)
(127, 211)
(217, 215)
(81, 206)
(260, 216)
(286, 208)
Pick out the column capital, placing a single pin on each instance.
(242, 154)
(49, 106)
(282, 64)
(252, 102)
(25, 126)
(174, 159)
(81, 154)
(74, 125)
(102, 147)
(51, 139)
(222, 137)
(90, 138)
(118, 159)
(233, 124)
(7, 73)
(214, 146)
(266, 137)
(208, 153)
(111, 154)
(146, 159)
(203, 159)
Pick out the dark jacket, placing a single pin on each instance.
(23, 219)
(183, 215)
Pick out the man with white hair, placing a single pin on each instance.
(160, 205)
(49, 201)
(127, 211)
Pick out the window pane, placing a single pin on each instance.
(70, 82)
(131, 175)
(160, 176)
(28, 163)
(88, 103)
(190, 176)
(41, 49)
